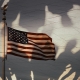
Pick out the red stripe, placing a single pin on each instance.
(24, 47)
(38, 34)
(31, 52)
(39, 38)
(44, 46)
(31, 57)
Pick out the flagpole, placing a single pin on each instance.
(4, 27)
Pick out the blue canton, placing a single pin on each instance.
(17, 36)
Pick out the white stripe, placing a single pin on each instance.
(42, 45)
(24, 45)
(29, 55)
(38, 35)
(30, 50)
(32, 45)
(21, 49)
(41, 41)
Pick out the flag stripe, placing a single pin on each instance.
(41, 41)
(41, 47)
(38, 36)
(11, 45)
(31, 57)
(29, 45)
(31, 49)
(28, 52)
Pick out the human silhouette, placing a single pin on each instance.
(32, 13)
(67, 57)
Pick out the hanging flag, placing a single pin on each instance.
(37, 46)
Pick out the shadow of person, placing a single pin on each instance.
(32, 12)
(67, 57)
(62, 7)
(73, 60)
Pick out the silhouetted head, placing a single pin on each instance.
(71, 44)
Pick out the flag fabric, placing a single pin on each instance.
(37, 46)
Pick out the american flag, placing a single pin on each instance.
(37, 46)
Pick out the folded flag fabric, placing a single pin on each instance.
(37, 46)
